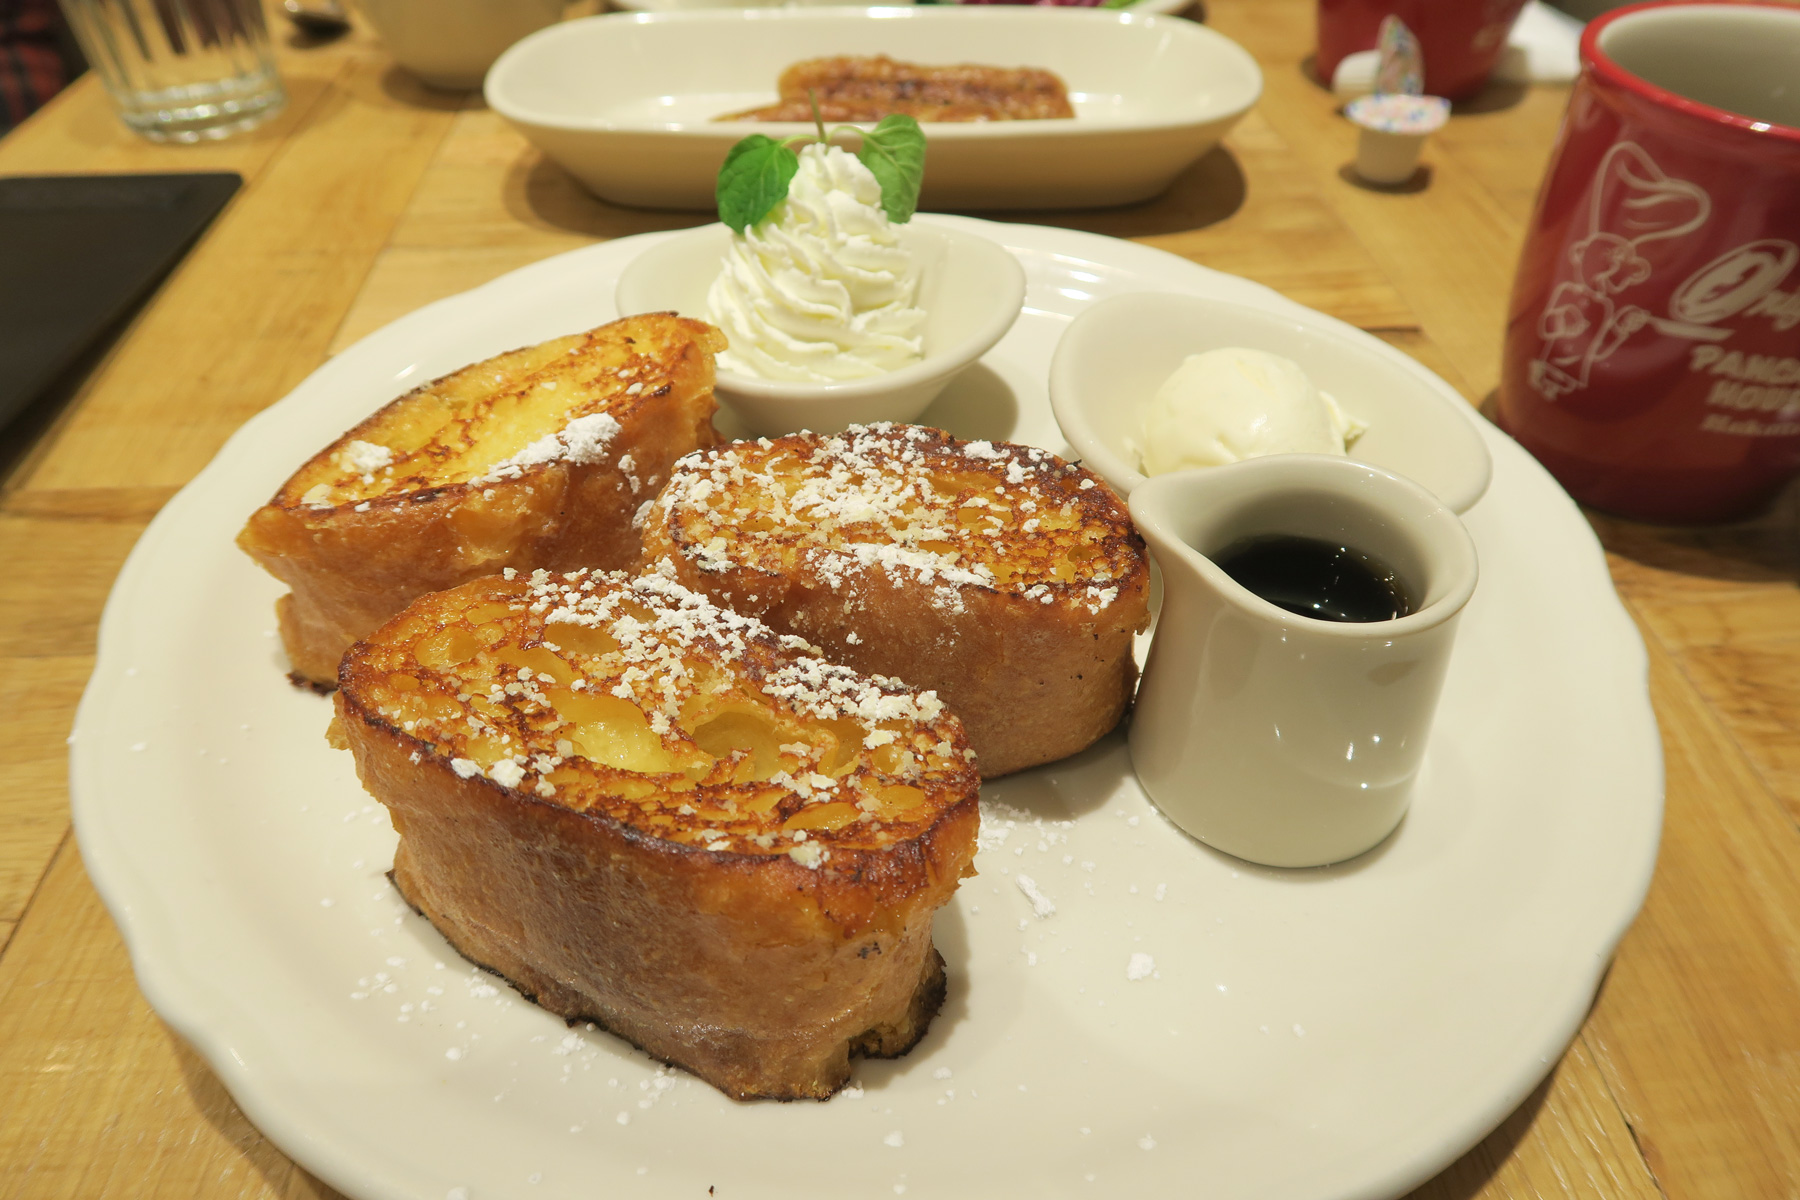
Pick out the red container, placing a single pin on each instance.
(1652, 357)
(1461, 40)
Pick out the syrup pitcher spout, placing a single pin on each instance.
(1309, 610)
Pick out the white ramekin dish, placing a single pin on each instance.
(1114, 356)
(971, 289)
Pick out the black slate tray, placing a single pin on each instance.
(77, 254)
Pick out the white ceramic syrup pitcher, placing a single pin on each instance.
(1283, 739)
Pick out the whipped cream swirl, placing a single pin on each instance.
(821, 290)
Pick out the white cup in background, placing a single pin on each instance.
(451, 43)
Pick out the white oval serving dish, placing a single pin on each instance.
(971, 289)
(1139, 6)
(1116, 354)
(625, 102)
(698, 5)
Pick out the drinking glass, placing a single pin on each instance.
(181, 70)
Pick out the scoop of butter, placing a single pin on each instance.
(1230, 404)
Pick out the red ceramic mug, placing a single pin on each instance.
(1460, 40)
(1652, 357)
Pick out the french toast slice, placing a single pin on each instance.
(534, 458)
(655, 814)
(1005, 579)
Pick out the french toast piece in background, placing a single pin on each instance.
(868, 88)
(1007, 580)
(654, 814)
(535, 458)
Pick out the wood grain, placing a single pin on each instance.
(102, 1099)
(372, 196)
(61, 571)
(1449, 246)
(38, 694)
(1723, 602)
(1292, 239)
(251, 310)
(1502, 142)
(1698, 1028)
(1567, 1139)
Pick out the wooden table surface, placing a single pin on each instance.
(369, 197)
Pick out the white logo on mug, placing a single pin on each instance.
(1582, 324)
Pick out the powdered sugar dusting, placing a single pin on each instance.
(682, 620)
(537, 710)
(907, 502)
(583, 441)
(1040, 903)
(364, 458)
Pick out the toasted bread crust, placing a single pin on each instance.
(535, 458)
(750, 897)
(1008, 581)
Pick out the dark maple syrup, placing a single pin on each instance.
(1314, 578)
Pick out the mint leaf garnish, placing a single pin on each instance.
(757, 171)
(754, 179)
(894, 152)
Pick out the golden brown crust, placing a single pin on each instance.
(535, 458)
(661, 817)
(849, 88)
(1005, 579)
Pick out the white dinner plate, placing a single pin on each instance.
(1343, 1032)
(626, 102)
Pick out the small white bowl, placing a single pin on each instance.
(1114, 356)
(970, 288)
